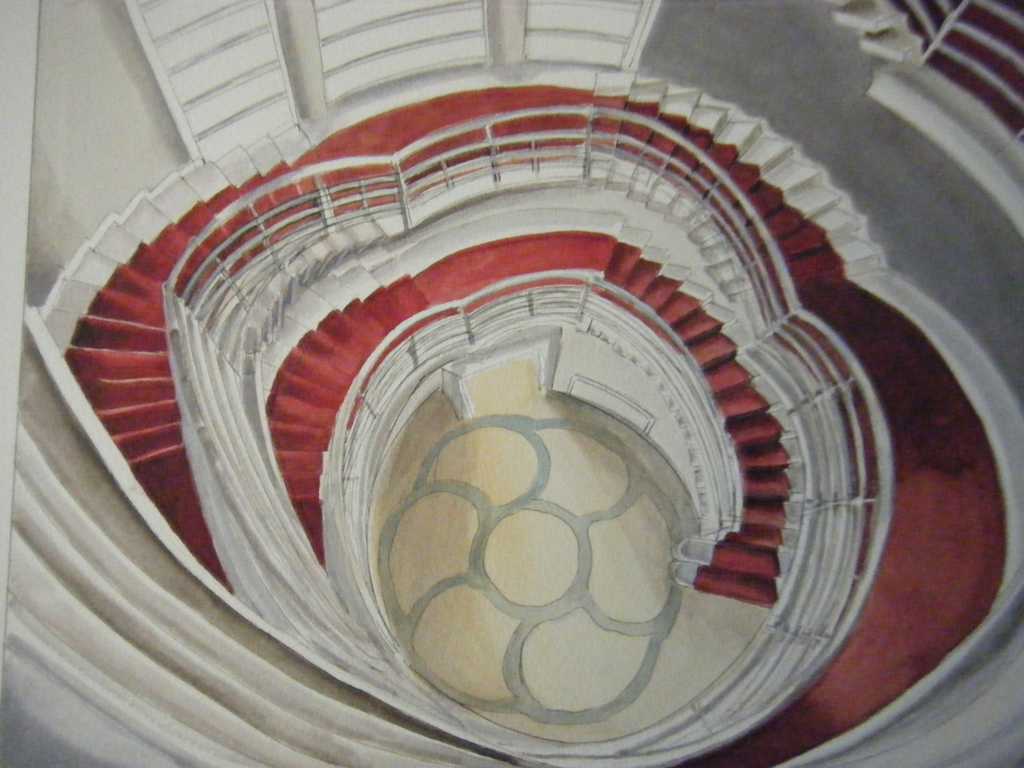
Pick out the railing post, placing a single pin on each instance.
(403, 200)
(584, 295)
(947, 24)
(324, 201)
(493, 152)
(588, 143)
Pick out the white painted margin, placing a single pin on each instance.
(18, 38)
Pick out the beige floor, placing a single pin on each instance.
(571, 679)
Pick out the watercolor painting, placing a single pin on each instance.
(626, 383)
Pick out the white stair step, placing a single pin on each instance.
(364, 232)
(813, 200)
(742, 134)
(388, 271)
(684, 206)
(695, 550)
(146, 221)
(288, 335)
(724, 314)
(94, 269)
(837, 221)
(75, 297)
(853, 249)
(207, 180)
(648, 91)
(292, 143)
(661, 196)
(705, 233)
(640, 183)
(237, 166)
(709, 118)
(118, 244)
(892, 44)
(716, 251)
(699, 291)
(176, 198)
(635, 236)
(681, 102)
(657, 255)
(866, 16)
(767, 152)
(679, 272)
(309, 309)
(353, 285)
(61, 324)
(265, 155)
(390, 224)
(613, 83)
(319, 252)
(792, 175)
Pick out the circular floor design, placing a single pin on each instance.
(532, 559)
(523, 562)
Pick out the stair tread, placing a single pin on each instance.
(773, 486)
(641, 277)
(157, 454)
(713, 351)
(764, 513)
(726, 376)
(697, 326)
(660, 291)
(95, 332)
(744, 587)
(126, 419)
(624, 259)
(758, 429)
(739, 557)
(741, 401)
(678, 306)
(768, 459)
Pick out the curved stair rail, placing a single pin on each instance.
(976, 44)
(388, 193)
(838, 543)
(217, 295)
(115, 276)
(242, 266)
(393, 199)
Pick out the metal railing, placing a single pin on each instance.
(841, 531)
(234, 271)
(687, 394)
(976, 44)
(587, 145)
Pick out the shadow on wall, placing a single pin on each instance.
(100, 125)
(816, 95)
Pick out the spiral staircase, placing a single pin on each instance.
(244, 348)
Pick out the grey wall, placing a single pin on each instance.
(786, 60)
(102, 130)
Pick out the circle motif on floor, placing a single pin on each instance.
(525, 582)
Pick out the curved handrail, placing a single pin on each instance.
(347, 419)
(814, 623)
(731, 207)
